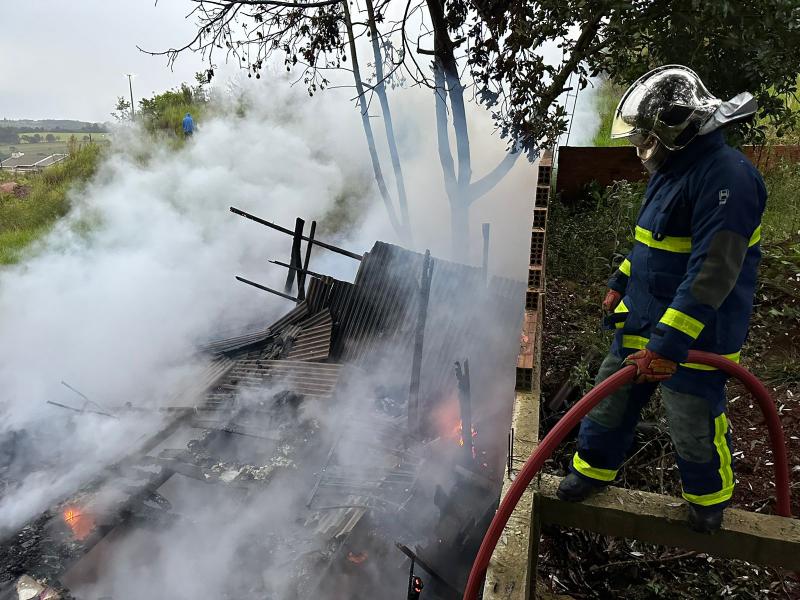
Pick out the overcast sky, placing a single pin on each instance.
(68, 59)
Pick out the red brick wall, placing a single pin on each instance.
(579, 166)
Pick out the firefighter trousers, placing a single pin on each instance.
(697, 423)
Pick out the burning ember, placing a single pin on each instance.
(357, 559)
(459, 433)
(80, 523)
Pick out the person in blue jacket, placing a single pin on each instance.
(688, 283)
(188, 125)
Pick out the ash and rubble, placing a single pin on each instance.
(289, 469)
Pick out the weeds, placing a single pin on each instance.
(587, 241)
(606, 100)
(782, 218)
(25, 219)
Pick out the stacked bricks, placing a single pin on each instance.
(534, 295)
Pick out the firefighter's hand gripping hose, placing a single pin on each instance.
(581, 408)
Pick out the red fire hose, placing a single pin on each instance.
(587, 403)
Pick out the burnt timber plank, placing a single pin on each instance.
(757, 538)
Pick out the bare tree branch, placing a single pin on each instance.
(485, 184)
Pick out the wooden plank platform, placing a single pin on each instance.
(757, 538)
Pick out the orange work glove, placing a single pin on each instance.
(651, 366)
(611, 300)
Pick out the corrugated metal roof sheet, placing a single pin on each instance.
(313, 343)
(376, 316)
(300, 377)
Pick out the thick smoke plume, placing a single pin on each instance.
(118, 297)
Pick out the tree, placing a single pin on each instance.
(165, 111)
(9, 135)
(494, 50)
(122, 111)
(318, 36)
(50, 138)
(749, 45)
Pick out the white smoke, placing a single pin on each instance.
(116, 299)
(118, 311)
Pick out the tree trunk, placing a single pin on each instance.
(380, 90)
(447, 80)
(362, 104)
(459, 226)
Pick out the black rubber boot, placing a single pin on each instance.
(574, 488)
(705, 519)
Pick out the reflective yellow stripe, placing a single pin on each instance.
(588, 470)
(681, 245)
(621, 308)
(669, 243)
(636, 342)
(682, 322)
(734, 356)
(625, 267)
(756, 237)
(708, 499)
(725, 470)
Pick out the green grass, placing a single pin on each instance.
(39, 151)
(781, 219)
(606, 100)
(13, 243)
(62, 136)
(23, 220)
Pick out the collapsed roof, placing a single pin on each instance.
(316, 405)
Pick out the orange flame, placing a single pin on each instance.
(459, 433)
(357, 559)
(80, 523)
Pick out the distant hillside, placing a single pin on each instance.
(68, 125)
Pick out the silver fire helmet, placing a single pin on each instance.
(670, 103)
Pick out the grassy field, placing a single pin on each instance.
(65, 136)
(36, 150)
(25, 219)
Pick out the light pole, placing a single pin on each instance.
(130, 86)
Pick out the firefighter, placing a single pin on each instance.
(688, 283)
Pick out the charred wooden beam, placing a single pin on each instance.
(449, 590)
(82, 410)
(485, 265)
(303, 270)
(294, 258)
(325, 245)
(465, 404)
(416, 365)
(301, 274)
(266, 289)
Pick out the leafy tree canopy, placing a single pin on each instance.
(746, 45)
(735, 46)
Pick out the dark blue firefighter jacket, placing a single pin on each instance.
(689, 281)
